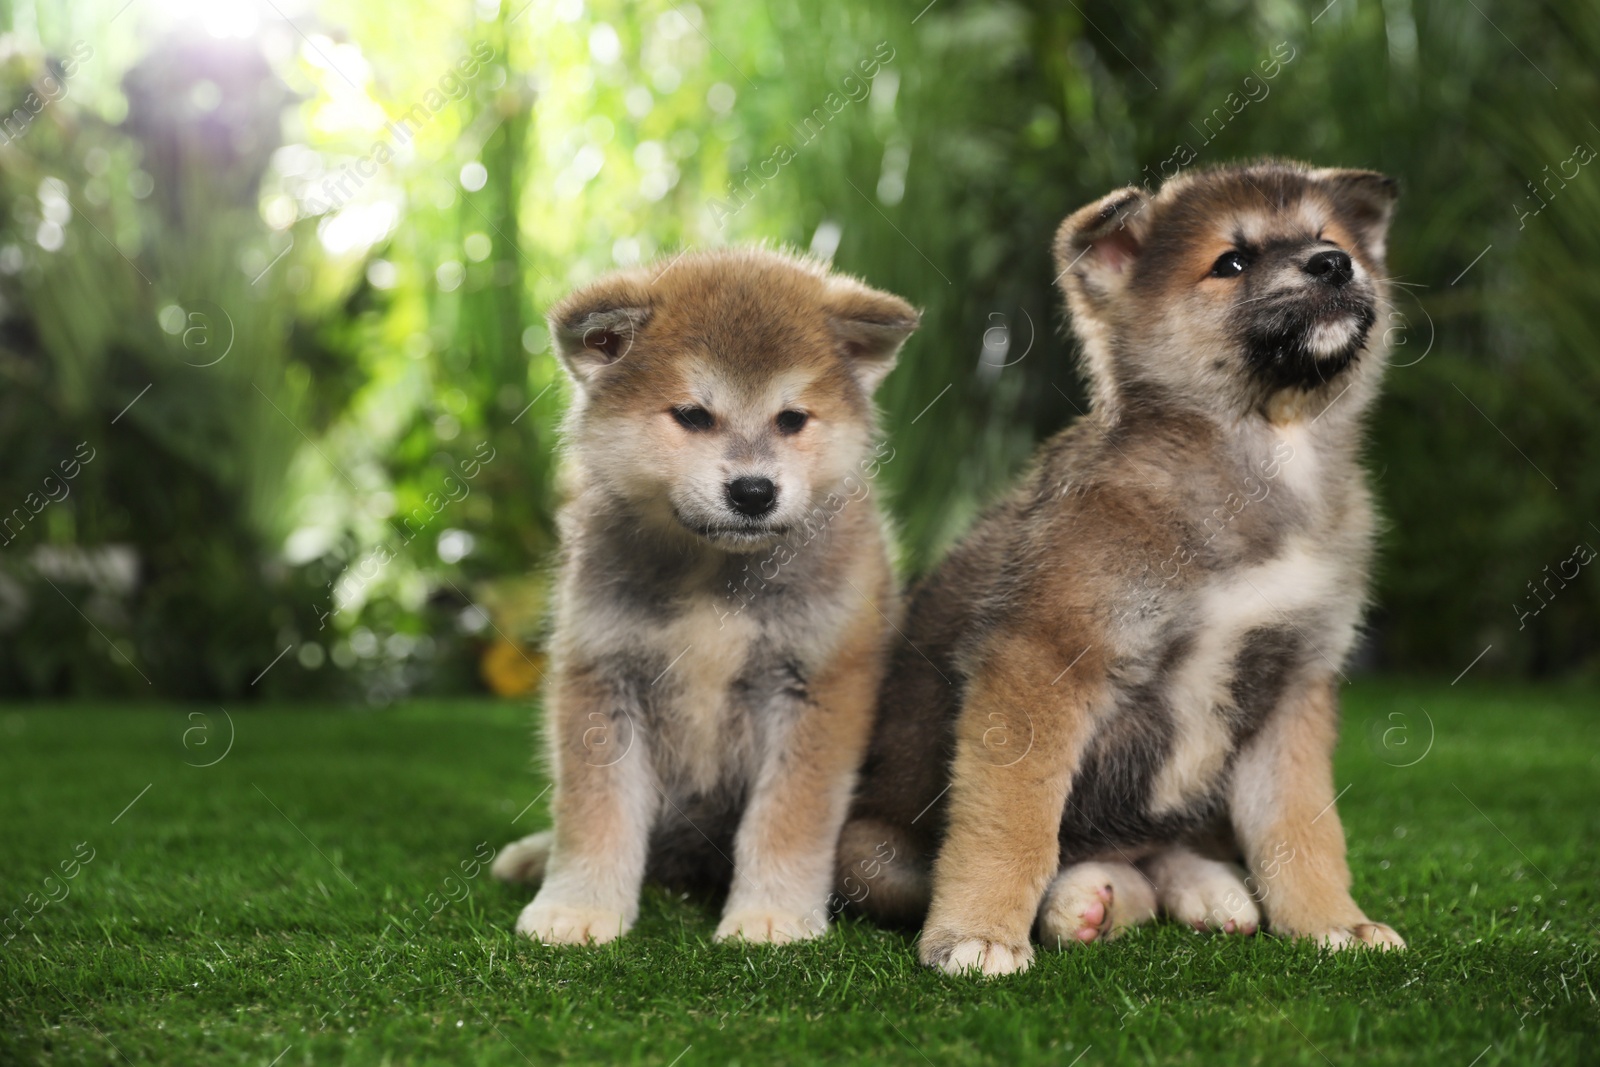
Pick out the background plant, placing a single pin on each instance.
(382, 338)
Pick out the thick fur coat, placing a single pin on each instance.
(1125, 677)
(725, 594)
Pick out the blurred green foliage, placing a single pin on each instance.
(281, 270)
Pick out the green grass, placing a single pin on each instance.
(257, 909)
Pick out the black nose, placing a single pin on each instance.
(1331, 267)
(752, 496)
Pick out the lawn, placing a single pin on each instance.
(313, 896)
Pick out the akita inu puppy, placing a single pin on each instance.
(724, 595)
(1127, 672)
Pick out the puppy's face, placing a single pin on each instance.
(727, 393)
(1229, 286)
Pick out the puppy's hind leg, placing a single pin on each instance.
(1094, 902)
(523, 861)
(1206, 894)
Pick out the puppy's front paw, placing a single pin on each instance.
(957, 955)
(1362, 935)
(559, 924)
(763, 927)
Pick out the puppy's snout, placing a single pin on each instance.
(1333, 267)
(752, 496)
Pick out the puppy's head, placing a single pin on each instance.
(1229, 286)
(726, 393)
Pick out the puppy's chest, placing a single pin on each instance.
(1225, 661)
(713, 689)
(713, 678)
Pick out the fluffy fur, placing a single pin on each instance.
(724, 593)
(1123, 680)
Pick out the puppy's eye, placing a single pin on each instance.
(1230, 265)
(693, 418)
(791, 422)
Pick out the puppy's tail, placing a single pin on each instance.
(883, 873)
(524, 861)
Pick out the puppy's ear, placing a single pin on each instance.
(1364, 200)
(597, 326)
(869, 326)
(1097, 246)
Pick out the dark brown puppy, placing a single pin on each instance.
(1138, 649)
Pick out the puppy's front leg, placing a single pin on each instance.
(784, 853)
(1283, 813)
(604, 806)
(1018, 743)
